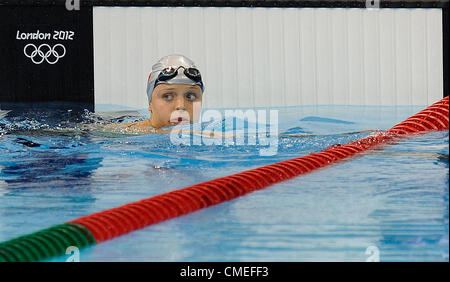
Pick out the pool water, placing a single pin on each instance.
(389, 203)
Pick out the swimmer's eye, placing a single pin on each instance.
(167, 97)
(191, 96)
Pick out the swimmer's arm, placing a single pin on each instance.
(142, 127)
(114, 127)
(135, 127)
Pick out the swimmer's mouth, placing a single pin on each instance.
(179, 120)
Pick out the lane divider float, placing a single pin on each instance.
(101, 226)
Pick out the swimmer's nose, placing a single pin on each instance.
(180, 105)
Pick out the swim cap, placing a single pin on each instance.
(174, 61)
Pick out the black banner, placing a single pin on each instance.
(46, 56)
(241, 3)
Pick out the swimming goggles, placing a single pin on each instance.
(171, 72)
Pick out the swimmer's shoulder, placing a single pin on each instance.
(131, 127)
(138, 124)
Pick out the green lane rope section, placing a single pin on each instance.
(46, 243)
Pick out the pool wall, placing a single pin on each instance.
(251, 53)
(274, 56)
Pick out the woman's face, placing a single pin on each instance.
(173, 104)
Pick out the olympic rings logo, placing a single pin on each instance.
(44, 52)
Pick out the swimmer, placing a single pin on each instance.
(175, 93)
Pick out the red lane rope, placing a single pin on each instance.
(117, 221)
